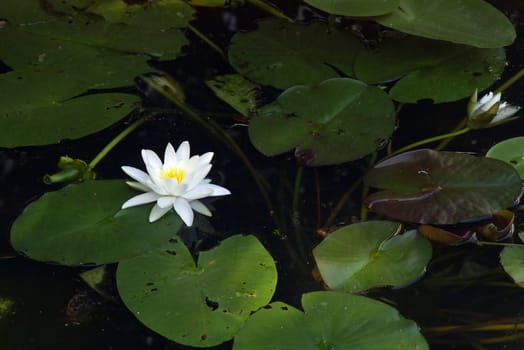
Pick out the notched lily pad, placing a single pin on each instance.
(510, 151)
(427, 69)
(339, 120)
(158, 15)
(51, 57)
(430, 187)
(512, 260)
(202, 304)
(470, 22)
(283, 54)
(81, 224)
(237, 91)
(371, 254)
(330, 320)
(355, 7)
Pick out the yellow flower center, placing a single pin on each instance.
(174, 173)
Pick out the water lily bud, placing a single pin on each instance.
(71, 170)
(489, 111)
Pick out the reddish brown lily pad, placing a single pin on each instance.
(430, 187)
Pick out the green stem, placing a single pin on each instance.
(270, 9)
(207, 40)
(459, 126)
(116, 140)
(511, 81)
(431, 139)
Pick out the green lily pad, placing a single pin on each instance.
(512, 260)
(52, 60)
(510, 151)
(237, 91)
(331, 320)
(470, 22)
(430, 69)
(355, 7)
(371, 254)
(157, 15)
(283, 54)
(81, 224)
(201, 304)
(431, 187)
(339, 120)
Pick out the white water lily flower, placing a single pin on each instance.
(177, 183)
(489, 111)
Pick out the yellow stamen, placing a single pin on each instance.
(174, 173)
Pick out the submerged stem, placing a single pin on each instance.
(206, 40)
(341, 202)
(296, 213)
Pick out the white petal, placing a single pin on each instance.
(153, 164)
(505, 113)
(495, 99)
(198, 192)
(158, 187)
(199, 207)
(197, 177)
(164, 202)
(218, 190)
(157, 212)
(192, 164)
(182, 153)
(174, 188)
(138, 186)
(136, 174)
(487, 97)
(144, 198)
(206, 158)
(184, 210)
(170, 156)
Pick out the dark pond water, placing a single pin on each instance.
(54, 309)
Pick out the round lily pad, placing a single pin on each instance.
(331, 320)
(283, 54)
(355, 7)
(427, 68)
(81, 224)
(430, 187)
(470, 22)
(370, 254)
(510, 151)
(52, 63)
(512, 260)
(339, 120)
(202, 304)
